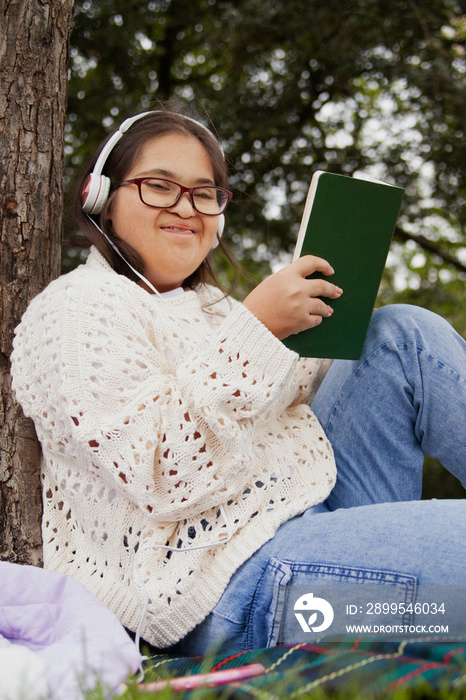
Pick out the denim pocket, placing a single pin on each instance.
(298, 602)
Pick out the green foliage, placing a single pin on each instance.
(438, 483)
(291, 87)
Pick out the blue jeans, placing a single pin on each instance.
(404, 398)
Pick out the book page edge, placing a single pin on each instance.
(306, 213)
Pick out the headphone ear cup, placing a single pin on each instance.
(218, 235)
(95, 193)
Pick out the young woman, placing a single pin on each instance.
(187, 483)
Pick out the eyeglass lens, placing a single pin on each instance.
(162, 193)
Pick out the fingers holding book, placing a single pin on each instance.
(288, 302)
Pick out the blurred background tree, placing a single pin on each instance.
(367, 85)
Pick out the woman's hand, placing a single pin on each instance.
(287, 303)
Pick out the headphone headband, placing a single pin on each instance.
(123, 128)
(113, 140)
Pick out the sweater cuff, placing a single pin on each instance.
(242, 331)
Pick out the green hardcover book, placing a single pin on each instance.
(350, 223)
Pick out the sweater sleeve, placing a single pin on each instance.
(92, 370)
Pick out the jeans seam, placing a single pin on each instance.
(331, 569)
(272, 564)
(249, 626)
(441, 365)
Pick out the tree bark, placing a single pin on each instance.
(34, 40)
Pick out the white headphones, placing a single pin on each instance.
(97, 186)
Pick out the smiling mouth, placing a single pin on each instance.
(179, 230)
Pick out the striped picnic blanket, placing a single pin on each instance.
(374, 665)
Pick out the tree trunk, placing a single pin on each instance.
(34, 36)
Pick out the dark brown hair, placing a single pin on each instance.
(120, 161)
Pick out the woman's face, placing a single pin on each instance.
(172, 242)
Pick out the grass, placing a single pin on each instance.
(131, 692)
(282, 692)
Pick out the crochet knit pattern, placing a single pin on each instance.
(151, 414)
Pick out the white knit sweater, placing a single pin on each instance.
(152, 413)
